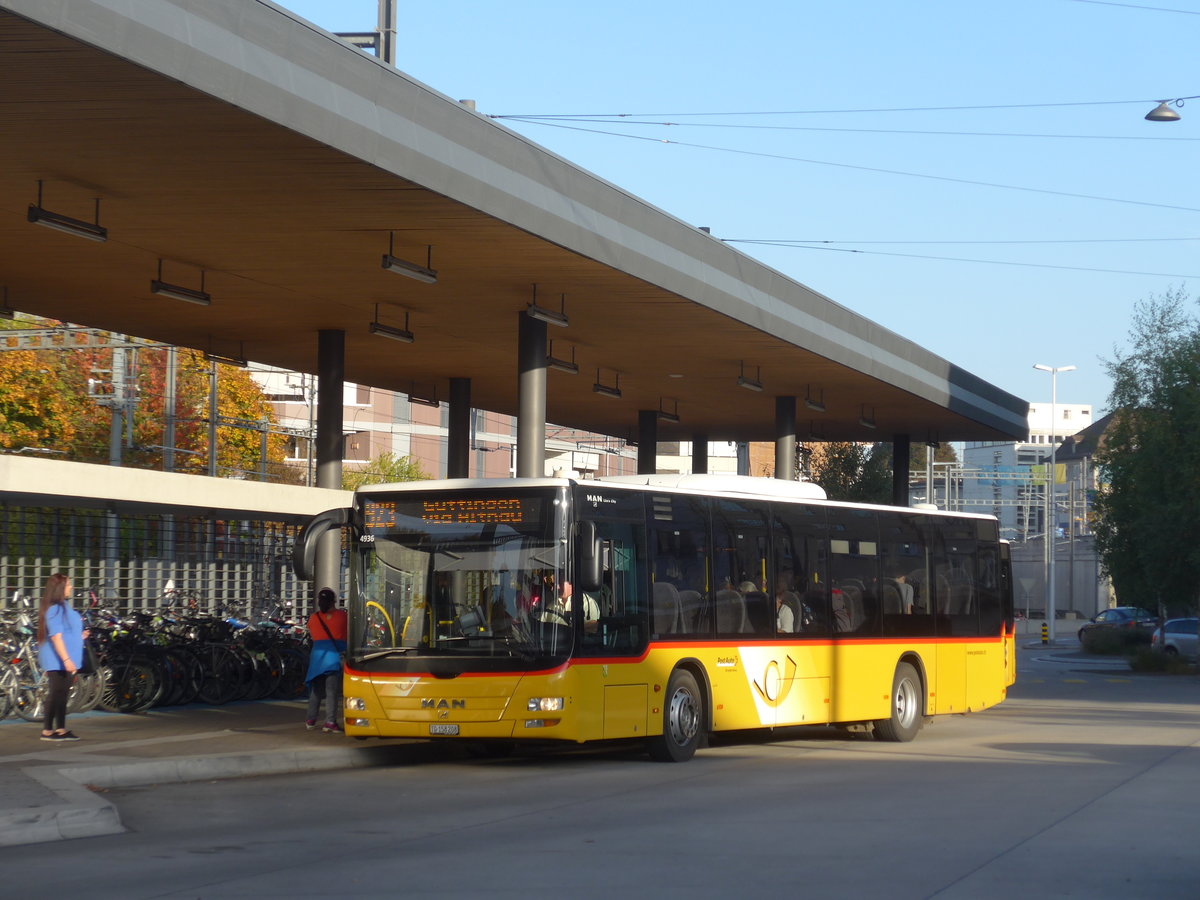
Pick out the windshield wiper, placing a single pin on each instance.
(391, 651)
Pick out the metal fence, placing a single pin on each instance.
(140, 562)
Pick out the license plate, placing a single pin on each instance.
(442, 728)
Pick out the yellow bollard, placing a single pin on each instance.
(1045, 632)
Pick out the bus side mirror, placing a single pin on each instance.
(588, 573)
(304, 553)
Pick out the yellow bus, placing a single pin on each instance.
(661, 608)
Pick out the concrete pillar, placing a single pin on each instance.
(531, 397)
(647, 458)
(901, 455)
(699, 454)
(458, 443)
(331, 375)
(785, 438)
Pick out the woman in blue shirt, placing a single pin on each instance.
(60, 651)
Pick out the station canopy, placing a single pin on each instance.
(233, 148)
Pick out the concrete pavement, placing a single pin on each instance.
(54, 792)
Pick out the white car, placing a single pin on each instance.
(1176, 637)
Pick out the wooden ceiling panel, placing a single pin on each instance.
(289, 233)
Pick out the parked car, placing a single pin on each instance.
(1118, 618)
(1176, 637)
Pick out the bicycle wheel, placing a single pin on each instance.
(28, 701)
(133, 685)
(85, 692)
(223, 675)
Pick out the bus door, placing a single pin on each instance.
(613, 680)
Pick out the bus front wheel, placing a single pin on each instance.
(906, 718)
(683, 713)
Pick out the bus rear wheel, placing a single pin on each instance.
(906, 718)
(683, 713)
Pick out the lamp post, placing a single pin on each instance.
(1050, 528)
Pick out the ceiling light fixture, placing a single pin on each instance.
(548, 315)
(665, 416)
(421, 400)
(93, 231)
(816, 404)
(239, 361)
(750, 384)
(176, 292)
(562, 365)
(389, 331)
(423, 273)
(867, 421)
(614, 392)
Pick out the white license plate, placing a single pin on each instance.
(442, 728)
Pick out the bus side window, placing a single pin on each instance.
(680, 596)
(620, 603)
(854, 571)
(798, 538)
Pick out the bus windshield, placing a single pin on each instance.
(461, 576)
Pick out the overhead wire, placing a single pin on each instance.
(878, 170)
(994, 262)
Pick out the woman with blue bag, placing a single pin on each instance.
(327, 628)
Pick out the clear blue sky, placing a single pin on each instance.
(671, 60)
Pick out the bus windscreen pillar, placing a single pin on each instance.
(785, 438)
(331, 374)
(458, 439)
(901, 455)
(531, 397)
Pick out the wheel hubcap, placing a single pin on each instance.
(683, 717)
(906, 703)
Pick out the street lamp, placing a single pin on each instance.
(1050, 528)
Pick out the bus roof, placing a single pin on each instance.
(722, 485)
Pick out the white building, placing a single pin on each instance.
(1006, 478)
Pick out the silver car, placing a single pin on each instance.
(1176, 637)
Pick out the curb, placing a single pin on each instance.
(83, 813)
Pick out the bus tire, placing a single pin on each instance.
(683, 715)
(907, 716)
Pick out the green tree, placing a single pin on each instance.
(918, 452)
(859, 473)
(1148, 528)
(386, 468)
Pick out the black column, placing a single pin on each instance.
(531, 397)
(458, 443)
(901, 455)
(699, 454)
(647, 460)
(785, 438)
(331, 376)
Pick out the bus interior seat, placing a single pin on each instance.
(666, 608)
(760, 613)
(693, 615)
(889, 597)
(730, 612)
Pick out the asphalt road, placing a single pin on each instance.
(1084, 784)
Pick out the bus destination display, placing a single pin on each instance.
(507, 510)
(383, 516)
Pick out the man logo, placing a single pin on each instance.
(435, 703)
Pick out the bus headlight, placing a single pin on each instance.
(545, 704)
(358, 723)
(356, 703)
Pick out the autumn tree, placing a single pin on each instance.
(55, 397)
